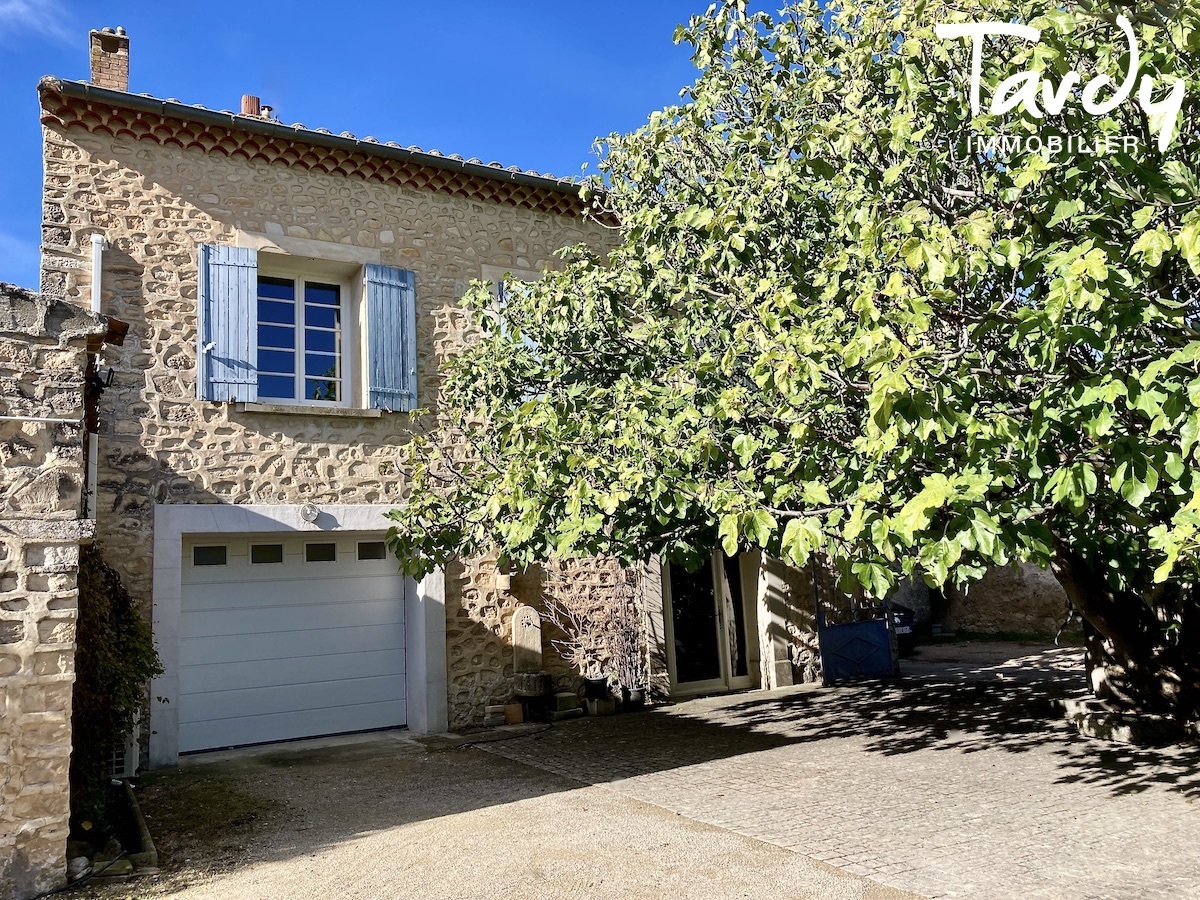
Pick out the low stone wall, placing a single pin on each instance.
(1017, 600)
(42, 347)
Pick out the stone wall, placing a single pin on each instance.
(1023, 600)
(154, 205)
(42, 360)
(1016, 599)
(479, 626)
(801, 623)
(479, 664)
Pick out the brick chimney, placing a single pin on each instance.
(110, 59)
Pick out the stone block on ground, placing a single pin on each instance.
(605, 706)
(530, 684)
(564, 700)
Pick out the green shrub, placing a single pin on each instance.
(114, 660)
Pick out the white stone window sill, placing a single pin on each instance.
(284, 409)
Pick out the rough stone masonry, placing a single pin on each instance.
(154, 202)
(42, 355)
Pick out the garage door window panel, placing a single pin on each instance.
(214, 555)
(320, 553)
(371, 550)
(266, 554)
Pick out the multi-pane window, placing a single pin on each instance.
(327, 333)
(299, 340)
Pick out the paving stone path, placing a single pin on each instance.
(959, 781)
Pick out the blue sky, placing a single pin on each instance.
(526, 82)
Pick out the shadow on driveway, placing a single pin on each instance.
(385, 802)
(964, 699)
(294, 800)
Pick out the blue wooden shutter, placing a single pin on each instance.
(391, 338)
(227, 327)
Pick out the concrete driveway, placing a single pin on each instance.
(388, 818)
(959, 781)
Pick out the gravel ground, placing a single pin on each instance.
(387, 818)
(959, 780)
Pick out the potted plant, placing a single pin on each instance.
(625, 640)
(595, 687)
(604, 636)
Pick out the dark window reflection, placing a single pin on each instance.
(694, 616)
(735, 617)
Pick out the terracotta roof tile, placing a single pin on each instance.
(144, 117)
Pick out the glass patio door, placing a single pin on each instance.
(707, 642)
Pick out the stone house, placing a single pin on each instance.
(290, 294)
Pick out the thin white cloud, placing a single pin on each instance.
(43, 17)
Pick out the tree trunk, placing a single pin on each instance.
(1142, 651)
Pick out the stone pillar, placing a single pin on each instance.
(656, 629)
(37, 633)
(42, 346)
(748, 566)
(425, 627)
(772, 612)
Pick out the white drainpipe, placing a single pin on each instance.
(93, 439)
(97, 261)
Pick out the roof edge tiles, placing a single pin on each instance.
(143, 117)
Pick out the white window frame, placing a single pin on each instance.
(350, 331)
(498, 277)
(726, 680)
(358, 551)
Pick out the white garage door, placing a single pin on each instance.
(288, 637)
